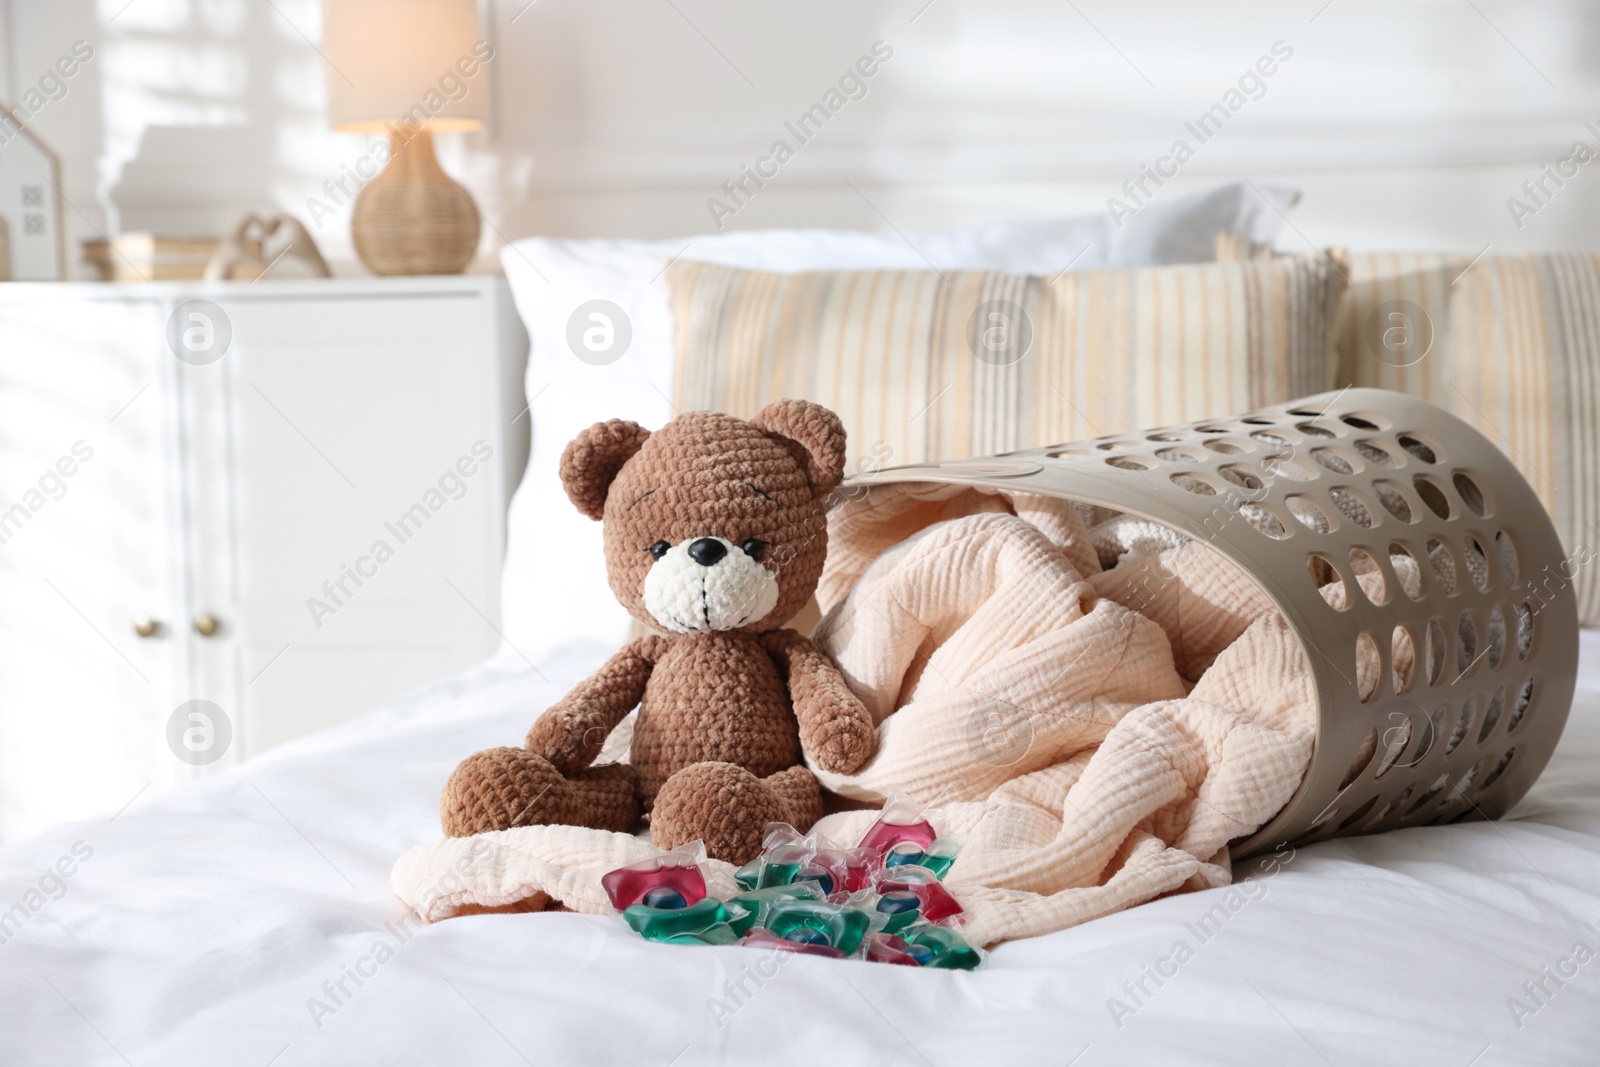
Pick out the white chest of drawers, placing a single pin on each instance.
(294, 530)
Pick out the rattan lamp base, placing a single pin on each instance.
(412, 218)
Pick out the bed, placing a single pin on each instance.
(238, 921)
(248, 918)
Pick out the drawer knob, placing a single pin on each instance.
(144, 626)
(205, 624)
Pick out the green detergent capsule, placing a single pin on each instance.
(749, 876)
(715, 934)
(950, 950)
(844, 926)
(939, 857)
(746, 909)
(900, 909)
(781, 864)
(659, 924)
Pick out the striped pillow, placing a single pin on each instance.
(1510, 344)
(925, 366)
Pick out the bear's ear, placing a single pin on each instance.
(817, 431)
(593, 459)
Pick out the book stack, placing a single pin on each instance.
(149, 257)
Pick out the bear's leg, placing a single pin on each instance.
(499, 788)
(728, 808)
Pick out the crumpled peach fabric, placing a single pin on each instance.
(1094, 739)
(1089, 756)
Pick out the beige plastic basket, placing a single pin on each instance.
(1316, 492)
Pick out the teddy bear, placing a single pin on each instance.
(715, 532)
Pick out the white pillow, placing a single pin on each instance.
(553, 587)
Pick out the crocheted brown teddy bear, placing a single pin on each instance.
(715, 531)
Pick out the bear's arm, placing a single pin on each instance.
(835, 727)
(572, 732)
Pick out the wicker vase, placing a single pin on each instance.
(412, 218)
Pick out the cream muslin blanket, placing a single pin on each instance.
(1094, 739)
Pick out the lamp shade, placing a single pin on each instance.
(412, 61)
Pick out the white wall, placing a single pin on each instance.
(1408, 123)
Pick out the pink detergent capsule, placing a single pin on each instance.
(901, 821)
(937, 903)
(887, 948)
(850, 868)
(763, 938)
(673, 870)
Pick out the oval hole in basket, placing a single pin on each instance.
(1369, 576)
(1226, 447)
(1491, 714)
(1394, 743)
(1394, 805)
(1505, 551)
(1499, 768)
(1198, 486)
(1357, 815)
(1107, 446)
(1469, 712)
(1242, 476)
(1129, 463)
(1402, 659)
(1179, 455)
(1256, 420)
(1477, 562)
(1471, 494)
(1363, 422)
(1432, 791)
(1266, 437)
(1497, 636)
(1392, 499)
(1308, 514)
(1314, 429)
(1284, 467)
(1333, 461)
(1369, 667)
(1407, 569)
(1434, 651)
(1524, 630)
(1376, 455)
(1466, 782)
(1432, 730)
(1443, 562)
(1418, 447)
(1432, 494)
(1466, 644)
(1264, 521)
(1364, 754)
(1351, 506)
(1328, 581)
(1521, 706)
(1212, 429)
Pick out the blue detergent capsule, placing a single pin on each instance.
(921, 953)
(806, 935)
(665, 897)
(815, 875)
(902, 854)
(901, 907)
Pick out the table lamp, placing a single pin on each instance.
(408, 68)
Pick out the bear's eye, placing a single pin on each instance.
(754, 549)
(659, 549)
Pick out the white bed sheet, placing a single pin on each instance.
(204, 922)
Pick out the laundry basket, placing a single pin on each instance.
(1322, 491)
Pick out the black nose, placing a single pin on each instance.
(707, 551)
